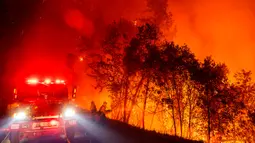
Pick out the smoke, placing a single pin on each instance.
(224, 29)
(50, 30)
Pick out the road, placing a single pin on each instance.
(80, 137)
(91, 131)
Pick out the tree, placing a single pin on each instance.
(212, 77)
(117, 72)
(243, 121)
(173, 71)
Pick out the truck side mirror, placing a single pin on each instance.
(74, 92)
(15, 95)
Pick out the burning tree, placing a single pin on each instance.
(147, 77)
(108, 68)
(141, 69)
(211, 76)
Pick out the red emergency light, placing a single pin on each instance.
(46, 81)
(58, 81)
(32, 81)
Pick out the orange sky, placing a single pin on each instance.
(221, 28)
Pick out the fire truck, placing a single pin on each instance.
(42, 107)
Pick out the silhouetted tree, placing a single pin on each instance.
(212, 77)
(244, 110)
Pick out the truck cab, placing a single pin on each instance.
(42, 107)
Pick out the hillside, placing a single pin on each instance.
(118, 132)
(138, 135)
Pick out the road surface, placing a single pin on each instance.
(80, 137)
(88, 131)
(82, 134)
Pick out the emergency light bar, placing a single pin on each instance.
(46, 81)
(32, 81)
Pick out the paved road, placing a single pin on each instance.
(90, 131)
(79, 138)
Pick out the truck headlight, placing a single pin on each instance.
(69, 112)
(20, 115)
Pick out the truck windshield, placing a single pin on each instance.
(46, 91)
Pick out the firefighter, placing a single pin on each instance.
(93, 110)
(102, 112)
(102, 109)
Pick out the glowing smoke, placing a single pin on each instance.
(223, 29)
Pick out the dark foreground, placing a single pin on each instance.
(113, 132)
(133, 134)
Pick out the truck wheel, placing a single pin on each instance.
(14, 137)
(70, 133)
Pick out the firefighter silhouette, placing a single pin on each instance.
(102, 109)
(93, 108)
(102, 112)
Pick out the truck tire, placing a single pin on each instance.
(70, 133)
(14, 137)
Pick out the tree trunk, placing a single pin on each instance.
(180, 113)
(125, 107)
(134, 98)
(154, 114)
(178, 102)
(174, 120)
(171, 106)
(125, 101)
(209, 125)
(234, 127)
(145, 102)
(208, 118)
(144, 108)
(190, 110)
(118, 114)
(190, 115)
